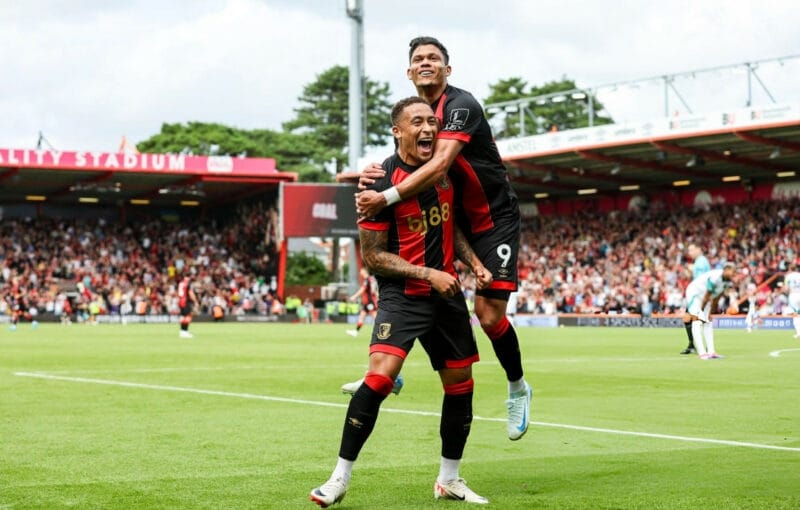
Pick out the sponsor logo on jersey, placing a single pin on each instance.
(458, 119)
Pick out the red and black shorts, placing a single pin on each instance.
(186, 310)
(441, 324)
(498, 249)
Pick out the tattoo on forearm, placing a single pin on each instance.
(464, 251)
(380, 261)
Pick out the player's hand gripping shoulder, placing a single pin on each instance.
(370, 202)
(369, 175)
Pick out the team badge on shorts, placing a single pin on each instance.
(384, 331)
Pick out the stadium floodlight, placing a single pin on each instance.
(88, 200)
(35, 198)
(681, 183)
(139, 201)
(190, 203)
(782, 175)
(629, 187)
(354, 9)
(587, 191)
(541, 195)
(732, 178)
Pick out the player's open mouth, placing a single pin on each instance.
(425, 144)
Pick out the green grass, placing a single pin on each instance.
(252, 431)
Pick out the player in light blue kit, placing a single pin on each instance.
(702, 296)
(791, 282)
(698, 266)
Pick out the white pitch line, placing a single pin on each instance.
(775, 354)
(252, 396)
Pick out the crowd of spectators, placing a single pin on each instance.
(590, 262)
(82, 267)
(636, 261)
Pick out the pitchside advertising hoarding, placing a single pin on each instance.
(318, 210)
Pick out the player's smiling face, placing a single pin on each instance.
(415, 133)
(427, 67)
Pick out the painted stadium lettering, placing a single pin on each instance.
(433, 217)
(24, 156)
(107, 160)
(325, 211)
(92, 159)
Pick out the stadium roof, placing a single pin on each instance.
(738, 148)
(64, 178)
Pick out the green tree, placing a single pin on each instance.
(562, 111)
(323, 112)
(307, 143)
(304, 269)
(292, 152)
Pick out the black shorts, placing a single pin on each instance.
(186, 310)
(442, 326)
(498, 249)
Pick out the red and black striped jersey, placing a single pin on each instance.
(183, 292)
(421, 229)
(481, 180)
(370, 294)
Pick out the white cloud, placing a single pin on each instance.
(86, 72)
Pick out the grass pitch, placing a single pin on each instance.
(250, 416)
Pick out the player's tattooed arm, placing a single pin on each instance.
(466, 254)
(384, 263)
(464, 251)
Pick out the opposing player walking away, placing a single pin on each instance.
(411, 247)
(487, 209)
(791, 282)
(186, 301)
(368, 292)
(698, 266)
(702, 296)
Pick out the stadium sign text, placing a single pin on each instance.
(138, 162)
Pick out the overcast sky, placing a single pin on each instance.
(87, 72)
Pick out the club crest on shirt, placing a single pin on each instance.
(384, 330)
(458, 119)
(444, 183)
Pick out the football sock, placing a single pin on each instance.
(697, 334)
(343, 469)
(708, 334)
(517, 386)
(456, 420)
(688, 326)
(362, 413)
(506, 348)
(448, 469)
